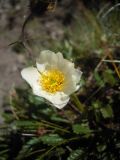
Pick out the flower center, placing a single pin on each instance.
(52, 81)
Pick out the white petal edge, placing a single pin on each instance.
(73, 77)
(76, 78)
(31, 75)
(40, 67)
(59, 100)
(50, 59)
(47, 57)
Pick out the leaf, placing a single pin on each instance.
(81, 129)
(36, 100)
(51, 139)
(101, 147)
(96, 104)
(118, 145)
(46, 111)
(58, 118)
(25, 124)
(99, 79)
(8, 117)
(3, 152)
(76, 155)
(27, 148)
(107, 112)
(109, 77)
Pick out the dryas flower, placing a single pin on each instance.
(54, 78)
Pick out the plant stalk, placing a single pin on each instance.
(77, 102)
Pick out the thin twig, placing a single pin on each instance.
(114, 65)
(113, 61)
(110, 10)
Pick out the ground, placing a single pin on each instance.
(12, 17)
(10, 62)
(10, 66)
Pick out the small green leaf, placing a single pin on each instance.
(36, 100)
(81, 129)
(51, 139)
(109, 77)
(76, 155)
(25, 124)
(107, 112)
(118, 145)
(58, 118)
(3, 152)
(101, 147)
(98, 79)
(96, 104)
(27, 148)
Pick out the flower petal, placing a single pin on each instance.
(50, 60)
(40, 67)
(59, 99)
(47, 57)
(72, 76)
(76, 78)
(31, 75)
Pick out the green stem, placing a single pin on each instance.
(77, 102)
(48, 124)
(61, 143)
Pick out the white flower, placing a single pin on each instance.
(53, 78)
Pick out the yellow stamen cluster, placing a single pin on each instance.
(52, 81)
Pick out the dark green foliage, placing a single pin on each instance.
(81, 129)
(28, 148)
(76, 155)
(51, 139)
(36, 130)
